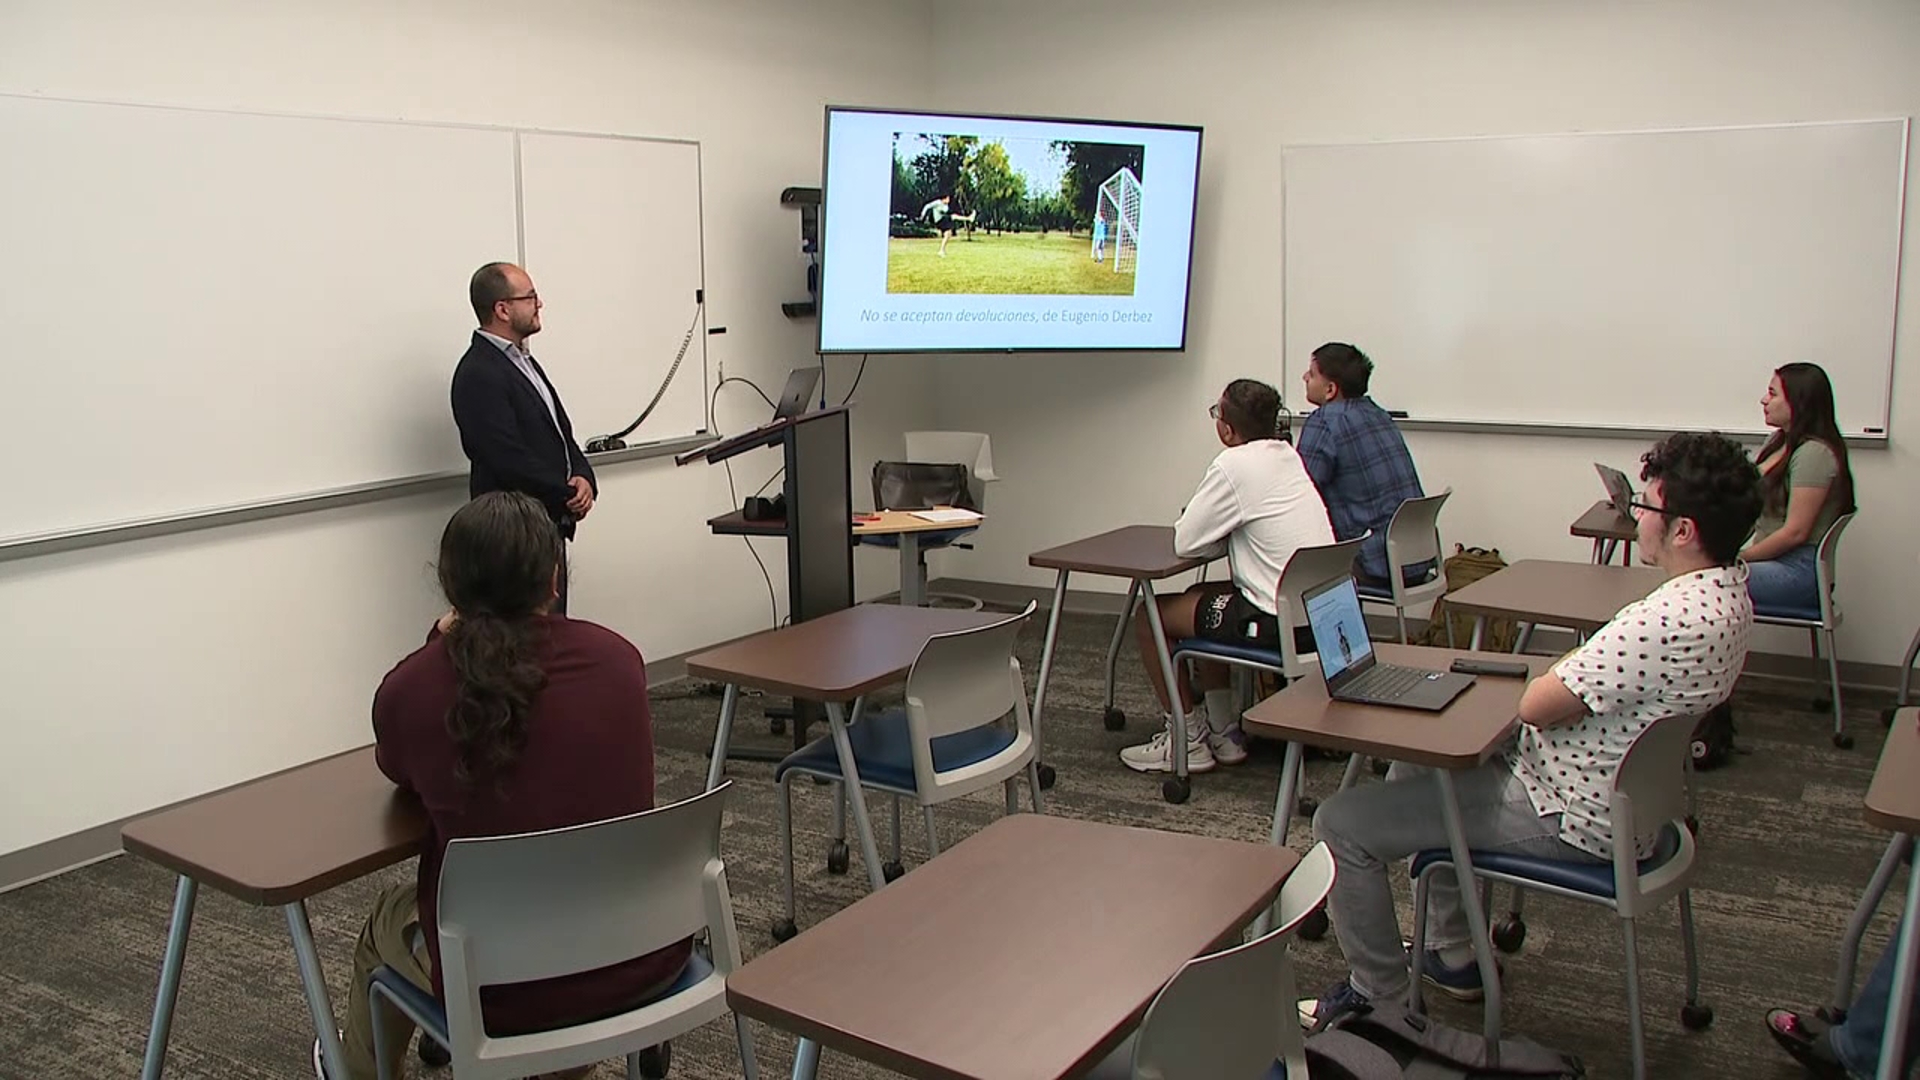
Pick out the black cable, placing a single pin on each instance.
(616, 441)
(733, 494)
(856, 379)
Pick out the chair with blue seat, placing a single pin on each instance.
(1308, 567)
(1820, 620)
(1649, 798)
(971, 453)
(1413, 538)
(1230, 1015)
(549, 904)
(950, 740)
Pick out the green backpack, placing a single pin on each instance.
(1464, 567)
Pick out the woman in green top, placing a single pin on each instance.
(1805, 485)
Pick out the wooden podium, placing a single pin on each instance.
(818, 526)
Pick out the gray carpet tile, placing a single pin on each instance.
(1785, 854)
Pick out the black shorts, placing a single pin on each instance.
(1228, 617)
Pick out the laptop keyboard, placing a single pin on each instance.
(1385, 683)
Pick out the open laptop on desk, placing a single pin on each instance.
(1619, 488)
(793, 399)
(1348, 664)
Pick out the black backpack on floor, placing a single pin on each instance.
(1713, 738)
(1384, 1042)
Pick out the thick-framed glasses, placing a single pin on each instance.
(533, 296)
(1213, 410)
(1652, 509)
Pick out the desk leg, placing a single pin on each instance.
(912, 589)
(1524, 638)
(1046, 656)
(723, 735)
(314, 982)
(176, 955)
(1283, 807)
(869, 852)
(1470, 902)
(1599, 552)
(1174, 709)
(1893, 1045)
(1119, 637)
(806, 1060)
(1479, 633)
(1862, 915)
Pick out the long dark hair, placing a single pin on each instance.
(498, 558)
(1810, 404)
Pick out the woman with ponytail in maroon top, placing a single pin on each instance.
(509, 719)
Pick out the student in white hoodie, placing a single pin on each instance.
(1258, 499)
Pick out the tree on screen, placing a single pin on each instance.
(1088, 166)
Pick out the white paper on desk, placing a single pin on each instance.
(946, 517)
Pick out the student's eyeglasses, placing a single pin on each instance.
(1650, 508)
(1213, 410)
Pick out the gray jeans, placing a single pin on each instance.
(1369, 826)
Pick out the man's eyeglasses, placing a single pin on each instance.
(1213, 410)
(1650, 508)
(534, 296)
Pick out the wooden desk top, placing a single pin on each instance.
(1027, 952)
(1465, 734)
(1578, 595)
(835, 657)
(1603, 522)
(288, 836)
(1135, 551)
(890, 523)
(1893, 801)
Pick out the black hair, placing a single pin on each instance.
(1345, 366)
(498, 558)
(488, 287)
(1708, 478)
(1252, 409)
(1810, 401)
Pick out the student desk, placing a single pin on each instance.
(1143, 554)
(1606, 527)
(1467, 733)
(1580, 596)
(836, 659)
(275, 842)
(1893, 803)
(896, 523)
(1025, 952)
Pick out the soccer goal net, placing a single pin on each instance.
(1119, 208)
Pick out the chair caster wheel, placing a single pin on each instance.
(1831, 1015)
(1696, 1017)
(1046, 776)
(892, 871)
(777, 725)
(1844, 742)
(1314, 926)
(837, 857)
(432, 1054)
(784, 930)
(1510, 935)
(654, 1061)
(1114, 719)
(1176, 789)
(1306, 807)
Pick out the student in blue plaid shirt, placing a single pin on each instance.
(1356, 457)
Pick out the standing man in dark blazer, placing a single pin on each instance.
(512, 425)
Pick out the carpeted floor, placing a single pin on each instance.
(1786, 853)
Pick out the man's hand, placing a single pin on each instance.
(582, 500)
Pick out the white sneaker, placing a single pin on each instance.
(1229, 747)
(1156, 755)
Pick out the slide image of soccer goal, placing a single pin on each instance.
(1010, 216)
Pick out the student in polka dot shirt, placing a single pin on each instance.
(1675, 653)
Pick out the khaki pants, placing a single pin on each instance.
(390, 937)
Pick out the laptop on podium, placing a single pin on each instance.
(1348, 664)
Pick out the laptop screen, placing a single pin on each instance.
(1339, 627)
(793, 399)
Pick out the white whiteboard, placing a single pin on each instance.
(210, 309)
(1639, 279)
